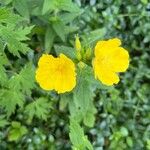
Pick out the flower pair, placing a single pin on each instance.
(59, 73)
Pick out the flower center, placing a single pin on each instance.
(61, 68)
(105, 60)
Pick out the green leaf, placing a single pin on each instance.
(129, 141)
(64, 100)
(23, 32)
(1, 46)
(22, 7)
(71, 29)
(14, 39)
(16, 124)
(3, 75)
(23, 81)
(48, 5)
(144, 1)
(77, 137)
(60, 28)
(38, 108)
(68, 51)
(92, 37)
(66, 5)
(69, 17)
(16, 131)
(3, 121)
(49, 39)
(12, 34)
(81, 107)
(6, 16)
(89, 118)
(148, 144)
(124, 131)
(3, 59)
(9, 99)
(27, 74)
(6, 2)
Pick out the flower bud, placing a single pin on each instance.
(88, 54)
(77, 44)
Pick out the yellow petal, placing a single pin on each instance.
(44, 79)
(64, 83)
(45, 60)
(106, 76)
(65, 76)
(99, 47)
(120, 60)
(115, 42)
(45, 71)
(106, 46)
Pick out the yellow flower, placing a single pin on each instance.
(56, 73)
(110, 59)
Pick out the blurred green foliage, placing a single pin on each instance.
(118, 117)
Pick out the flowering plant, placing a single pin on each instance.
(78, 83)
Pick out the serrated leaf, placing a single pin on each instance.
(9, 99)
(48, 5)
(77, 137)
(1, 46)
(3, 75)
(39, 108)
(22, 7)
(89, 118)
(82, 108)
(64, 100)
(13, 40)
(6, 16)
(23, 81)
(12, 34)
(23, 32)
(3, 61)
(27, 78)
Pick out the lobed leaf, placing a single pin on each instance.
(77, 137)
(38, 108)
(9, 99)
